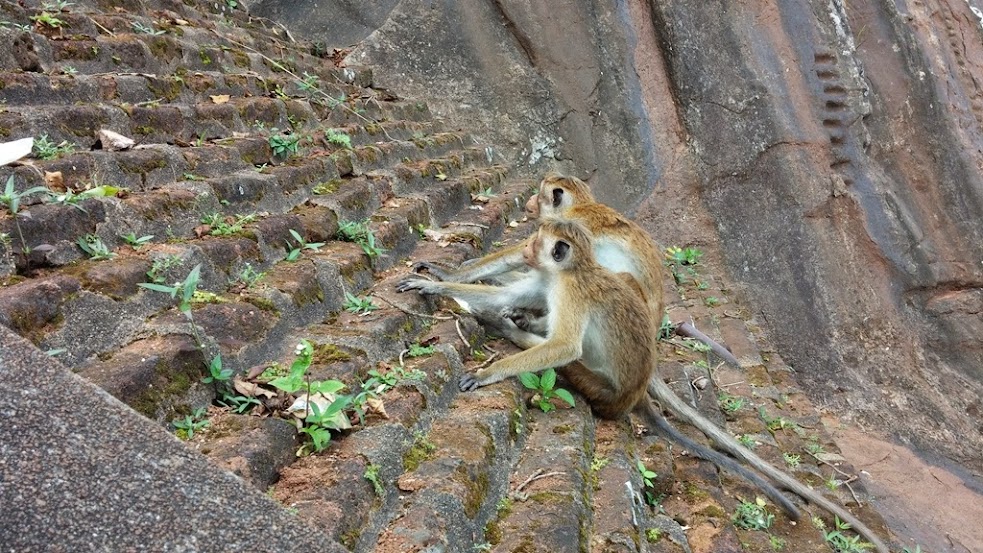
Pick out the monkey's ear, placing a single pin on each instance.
(560, 250)
(557, 196)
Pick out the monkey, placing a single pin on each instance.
(611, 336)
(620, 246)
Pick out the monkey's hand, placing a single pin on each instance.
(437, 271)
(526, 320)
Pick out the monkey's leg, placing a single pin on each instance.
(600, 392)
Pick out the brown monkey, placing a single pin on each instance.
(621, 246)
(611, 334)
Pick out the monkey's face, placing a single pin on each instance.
(558, 193)
(548, 251)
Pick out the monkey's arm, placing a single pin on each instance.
(564, 346)
(495, 263)
(525, 292)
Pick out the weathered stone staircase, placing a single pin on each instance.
(207, 92)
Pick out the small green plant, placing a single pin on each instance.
(186, 289)
(792, 459)
(840, 543)
(47, 19)
(752, 516)
(216, 372)
(683, 256)
(45, 149)
(695, 345)
(917, 549)
(360, 233)
(160, 266)
(226, 226)
(190, 424)
(136, 242)
(358, 305)
(338, 138)
(666, 328)
(832, 483)
(372, 475)
(815, 448)
(777, 544)
(94, 247)
(192, 177)
(309, 83)
(730, 404)
(12, 198)
(777, 423)
(747, 441)
(545, 389)
(247, 276)
(653, 535)
(12, 25)
(239, 404)
(69, 197)
(69, 70)
(285, 145)
(56, 5)
(294, 253)
(648, 478)
(417, 350)
(146, 29)
(711, 301)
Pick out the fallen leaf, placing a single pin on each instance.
(55, 181)
(299, 409)
(202, 230)
(375, 405)
(113, 141)
(220, 98)
(480, 198)
(251, 389)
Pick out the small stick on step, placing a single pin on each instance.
(411, 312)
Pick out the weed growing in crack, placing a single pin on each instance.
(284, 145)
(747, 441)
(730, 404)
(338, 138)
(247, 277)
(160, 265)
(417, 350)
(360, 233)
(358, 305)
(841, 543)
(753, 516)
(146, 29)
(372, 475)
(545, 389)
(136, 242)
(95, 247)
(47, 19)
(45, 149)
(648, 483)
(792, 459)
(293, 254)
(187, 426)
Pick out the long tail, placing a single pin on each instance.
(655, 419)
(661, 392)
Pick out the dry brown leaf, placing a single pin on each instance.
(251, 389)
(220, 98)
(375, 405)
(54, 180)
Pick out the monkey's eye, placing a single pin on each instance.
(560, 250)
(557, 196)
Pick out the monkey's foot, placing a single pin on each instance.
(438, 272)
(526, 319)
(468, 383)
(413, 282)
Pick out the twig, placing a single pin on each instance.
(405, 351)
(457, 325)
(149, 102)
(479, 225)
(850, 477)
(410, 312)
(110, 33)
(518, 495)
(487, 362)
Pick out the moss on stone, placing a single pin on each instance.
(329, 353)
